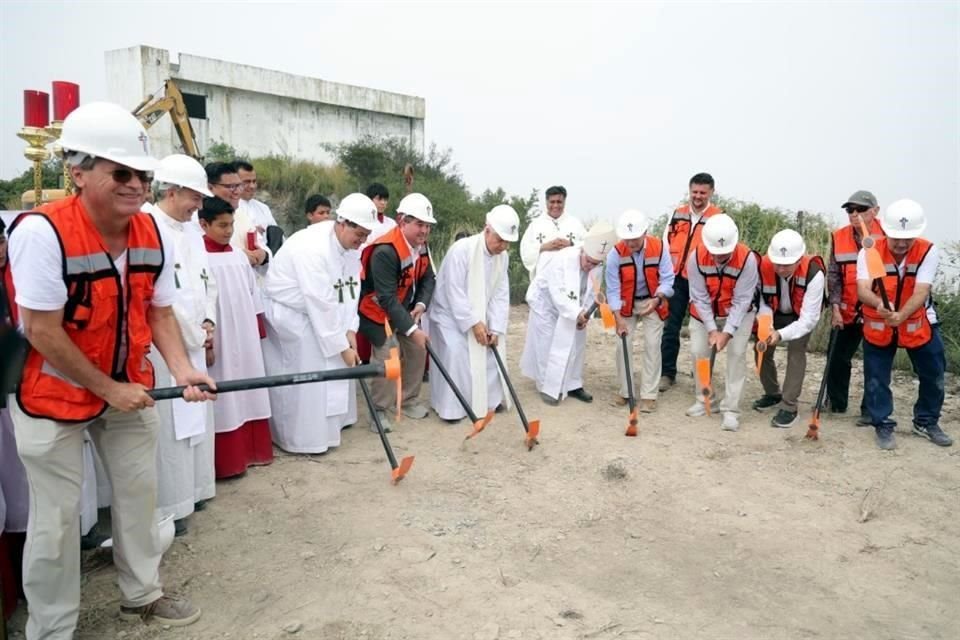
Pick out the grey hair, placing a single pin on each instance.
(160, 188)
(81, 160)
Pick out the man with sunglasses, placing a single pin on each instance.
(95, 287)
(846, 243)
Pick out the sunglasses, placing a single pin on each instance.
(124, 175)
(231, 187)
(856, 208)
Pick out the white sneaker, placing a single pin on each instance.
(416, 411)
(697, 409)
(730, 421)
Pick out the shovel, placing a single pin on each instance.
(389, 369)
(813, 429)
(395, 357)
(478, 424)
(764, 329)
(703, 378)
(532, 428)
(398, 471)
(631, 400)
(875, 266)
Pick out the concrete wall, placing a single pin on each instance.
(261, 111)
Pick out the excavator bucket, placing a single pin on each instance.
(703, 381)
(402, 469)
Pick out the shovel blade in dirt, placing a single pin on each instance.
(533, 430)
(813, 429)
(631, 431)
(480, 425)
(402, 469)
(703, 381)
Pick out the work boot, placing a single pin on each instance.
(697, 409)
(784, 419)
(387, 427)
(885, 439)
(179, 527)
(933, 433)
(666, 382)
(176, 612)
(767, 401)
(581, 395)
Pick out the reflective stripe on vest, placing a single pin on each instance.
(916, 330)
(720, 282)
(652, 255)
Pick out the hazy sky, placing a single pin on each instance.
(794, 105)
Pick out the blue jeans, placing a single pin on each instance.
(929, 363)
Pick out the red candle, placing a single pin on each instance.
(36, 108)
(66, 98)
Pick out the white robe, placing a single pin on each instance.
(472, 286)
(542, 229)
(185, 467)
(553, 354)
(236, 342)
(311, 292)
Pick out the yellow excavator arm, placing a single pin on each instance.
(152, 109)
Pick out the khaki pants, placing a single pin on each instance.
(796, 367)
(52, 456)
(649, 380)
(736, 351)
(413, 360)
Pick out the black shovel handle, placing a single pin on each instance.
(513, 392)
(626, 367)
(376, 421)
(456, 391)
(286, 379)
(823, 381)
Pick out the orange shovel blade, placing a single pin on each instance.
(703, 380)
(813, 430)
(533, 431)
(764, 326)
(480, 425)
(632, 425)
(402, 469)
(392, 367)
(606, 317)
(875, 264)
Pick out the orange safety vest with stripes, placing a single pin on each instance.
(809, 266)
(412, 271)
(652, 253)
(93, 316)
(845, 249)
(721, 281)
(682, 239)
(916, 330)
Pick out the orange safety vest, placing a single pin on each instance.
(720, 282)
(92, 316)
(682, 240)
(809, 267)
(915, 331)
(845, 249)
(652, 253)
(412, 271)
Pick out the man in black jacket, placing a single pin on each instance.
(398, 282)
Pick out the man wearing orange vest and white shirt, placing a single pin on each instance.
(844, 301)
(681, 237)
(398, 283)
(723, 276)
(639, 279)
(791, 293)
(95, 285)
(910, 321)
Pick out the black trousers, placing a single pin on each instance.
(838, 375)
(670, 344)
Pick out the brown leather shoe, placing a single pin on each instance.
(666, 382)
(176, 612)
(648, 406)
(618, 400)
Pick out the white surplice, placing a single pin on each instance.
(236, 341)
(311, 294)
(472, 286)
(553, 354)
(185, 444)
(542, 229)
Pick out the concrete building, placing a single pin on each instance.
(260, 111)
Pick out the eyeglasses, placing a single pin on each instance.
(856, 208)
(231, 187)
(124, 175)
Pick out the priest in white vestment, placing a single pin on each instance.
(470, 314)
(551, 231)
(559, 296)
(185, 470)
(312, 292)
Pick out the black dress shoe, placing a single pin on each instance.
(500, 408)
(200, 505)
(179, 527)
(581, 395)
(550, 400)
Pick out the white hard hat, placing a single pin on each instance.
(632, 224)
(599, 240)
(183, 171)
(720, 234)
(417, 205)
(108, 131)
(786, 247)
(903, 219)
(505, 222)
(358, 209)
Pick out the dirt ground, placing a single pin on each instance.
(684, 532)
